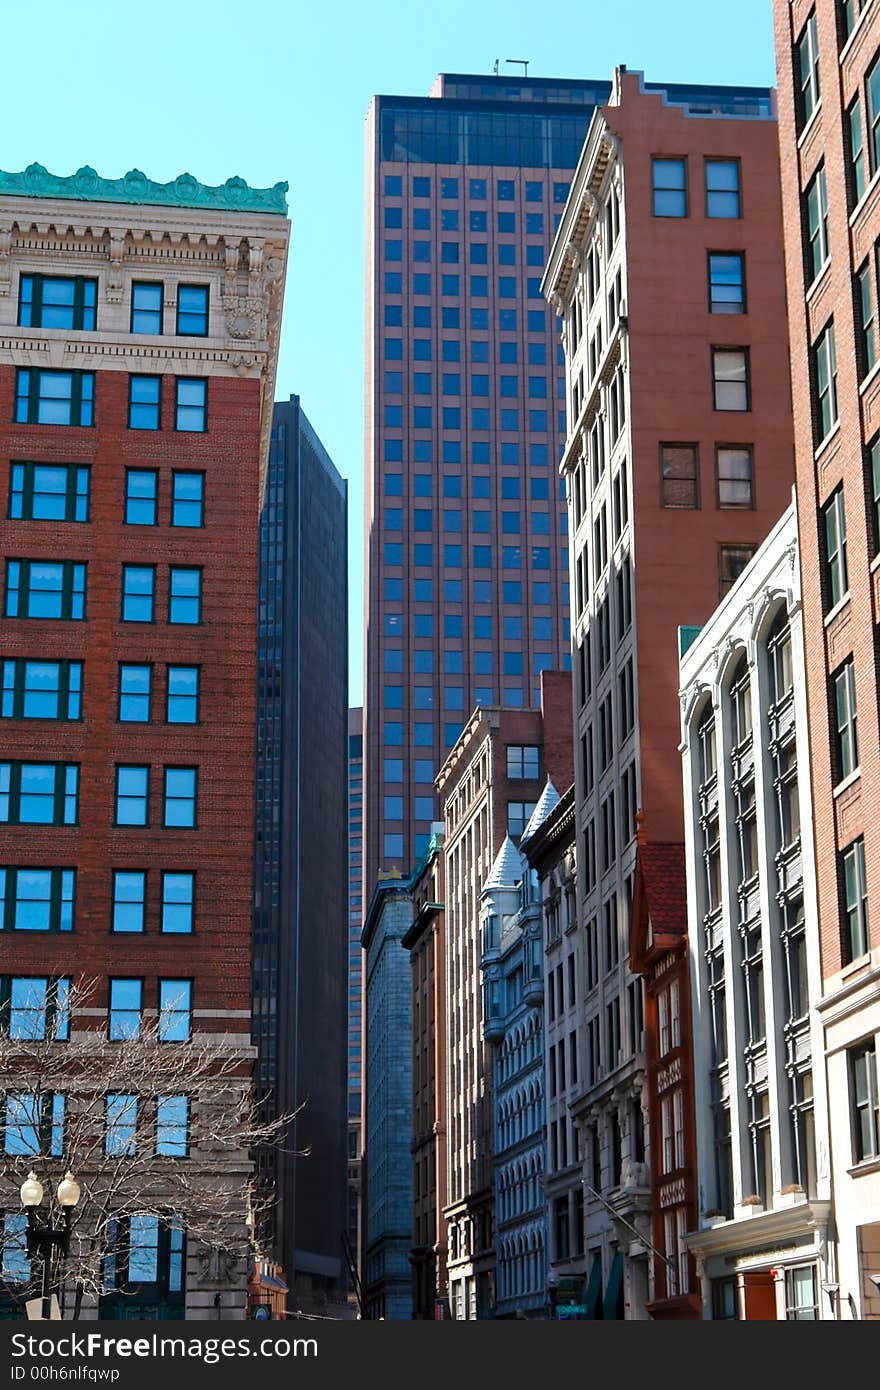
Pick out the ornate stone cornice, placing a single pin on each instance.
(86, 185)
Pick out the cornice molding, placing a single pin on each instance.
(86, 185)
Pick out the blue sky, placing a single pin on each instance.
(280, 91)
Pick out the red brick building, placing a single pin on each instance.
(140, 331)
(668, 275)
(828, 58)
(490, 785)
(659, 953)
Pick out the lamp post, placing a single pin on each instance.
(43, 1238)
(553, 1290)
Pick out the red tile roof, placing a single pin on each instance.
(665, 886)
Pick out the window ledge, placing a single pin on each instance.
(838, 608)
(814, 116)
(869, 188)
(866, 383)
(867, 1165)
(856, 29)
(826, 442)
(819, 279)
(875, 564)
(846, 783)
(856, 966)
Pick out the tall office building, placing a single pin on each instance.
(828, 56)
(355, 971)
(140, 332)
(300, 960)
(668, 274)
(467, 565)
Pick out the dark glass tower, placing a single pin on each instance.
(467, 559)
(300, 956)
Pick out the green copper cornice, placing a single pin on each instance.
(87, 186)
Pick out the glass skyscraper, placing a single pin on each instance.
(467, 560)
(300, 954)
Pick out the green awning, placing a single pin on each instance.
(593, 1299)
(612, 1303)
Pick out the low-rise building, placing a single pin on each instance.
(550, 850)
(425, 942)
(513, 999)
(764, 1242)
(386, 1274)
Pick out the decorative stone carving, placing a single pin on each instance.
(217, 1266)
(114, 279)
(5, 249)
(242, 317)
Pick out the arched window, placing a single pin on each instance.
(741, 703)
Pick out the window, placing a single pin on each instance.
(134, 694)
(54, 301)
(191, 404)
(35, 1007)
(866, 321)
(187, 499)
(679, 476)
(42, 689)
(730, 378)
(140, 496)
(855, 901)
(185, 595)
(146, 308)
(734, 477)
(523, 761)
(808, 69)
(44, 397)
(192, 311)
(125, 1009)
(856, 151)
(518, 816)
(34, 1124)
(669, 183)
(817, 224)
(48, 492)
(129, 897)
(144, 402)
(120, 1137)
(178, 902)
(723, 188)
(825, 365)
(801, 1294)
(836, 576)
(872, 110)
(849, 14)
(39, 793)
(183, 695)
(181, 785)
(732, 560)
(138, 585)
(175, 1010)
(846, 742)
(727, 283)
(43, 589)
(132, 794)
(864, 1105)
(37, 899)
(172, 1126)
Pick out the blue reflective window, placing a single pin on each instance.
(141, 485)
(134, 693)
(187, 499)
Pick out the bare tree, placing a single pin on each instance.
(150, 1125)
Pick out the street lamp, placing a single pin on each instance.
(42, 1236)
(553, 1290)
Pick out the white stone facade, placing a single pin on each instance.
(764, 1245)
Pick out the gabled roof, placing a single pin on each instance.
(548, 799)
(659, 912)
(508, 868)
